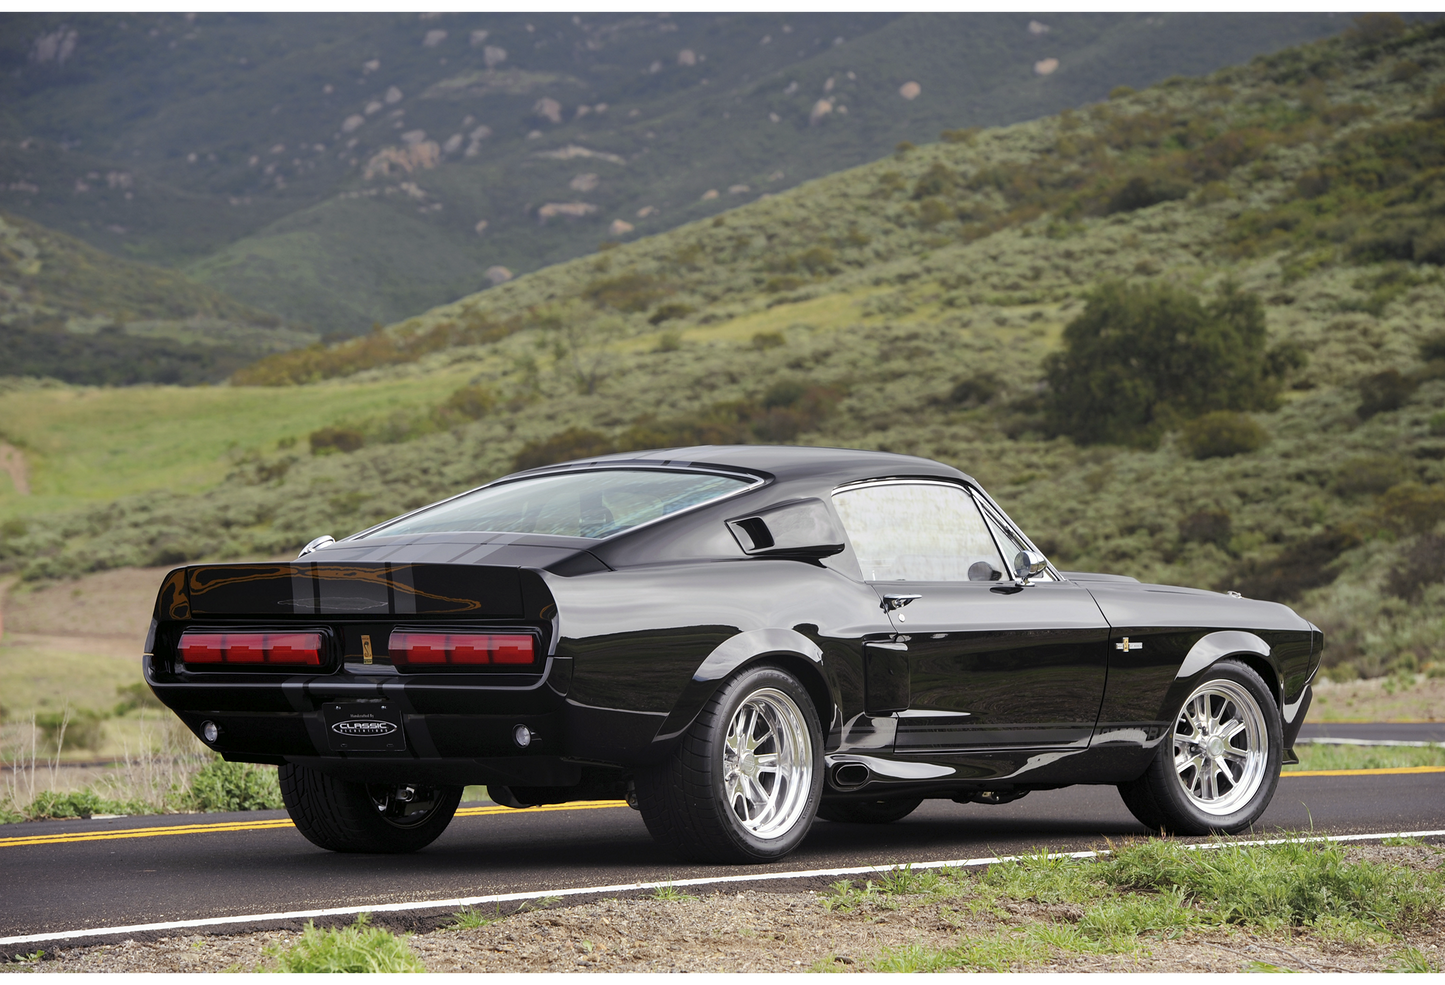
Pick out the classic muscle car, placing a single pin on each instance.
(736, 640)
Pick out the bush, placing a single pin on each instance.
(1423, 564)
(85, 803)
(563, 447)
(1207, 527)
(1382, 392)
(767, 340)
(1369, 475)
(975, 390)
(1140, 192)
(1299, 567)
(630, 292)
(71, 729)
(355, 949)
(1410, 508)
(1437, 423)
(1141, 358)
(667, 312)
(331, 439)
(223, 786)
(1222, 434)
(1432, 347)
(474, 401)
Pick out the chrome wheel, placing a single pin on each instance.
(1221, 747)
(767, 763)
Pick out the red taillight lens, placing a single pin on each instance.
(460, 649)
(275, 649)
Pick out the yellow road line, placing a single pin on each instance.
(1378, 772)
(268, 824)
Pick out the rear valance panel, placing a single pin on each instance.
(303, 588)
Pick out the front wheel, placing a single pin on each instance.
(361, 817)
(1217, 770)
(744, 782)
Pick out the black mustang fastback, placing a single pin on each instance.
(736, 640)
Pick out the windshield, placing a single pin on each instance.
(594, 504)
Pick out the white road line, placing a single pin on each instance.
(461, 901)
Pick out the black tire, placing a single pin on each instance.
(355, 817)
(696, 803)
(869, 811)
(1196, 786)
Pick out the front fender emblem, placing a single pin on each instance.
(1127, 646)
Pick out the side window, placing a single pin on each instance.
(918, 532)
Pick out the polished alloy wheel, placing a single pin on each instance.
(1221, 747)
(767, 763)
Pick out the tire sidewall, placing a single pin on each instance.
(1167, 784)
(735, 692)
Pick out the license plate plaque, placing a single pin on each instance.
(364, 726)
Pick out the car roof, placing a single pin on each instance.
(784, 462)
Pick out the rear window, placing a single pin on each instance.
(574, 504)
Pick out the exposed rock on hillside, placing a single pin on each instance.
(567, 210)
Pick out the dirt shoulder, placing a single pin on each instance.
(763, 931)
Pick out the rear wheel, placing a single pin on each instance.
(869, 811)
(363, 817)
(744, 782)
(1217, 770)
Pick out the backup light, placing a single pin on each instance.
(460, 649)
(234, 649)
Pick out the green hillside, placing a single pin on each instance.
(336, 169)
(71, 312)
(913, 305)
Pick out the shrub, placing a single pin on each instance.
(356, 949)
(1207, 527)
(1221, 434)
(1141, 358)
(667, 312)
(1368, 475)
(331, 439)
(223, 786)
(966, 135)
(1373, 28)
(1299, 567)
(784, 393)
(668, 342)
(975, 390)
(937, 180)
(1437, 423)
(767, 340)
(474, 401)
(1423, 564)
(563, 447)
(51, 805)
(1410, 508)
(631, 292)
(80, 728)
(1432, 347)
(1141, 192)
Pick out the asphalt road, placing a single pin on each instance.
(1376, 731)
(127, 880)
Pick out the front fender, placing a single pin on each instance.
(736, 652)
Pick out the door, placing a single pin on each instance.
(990, 662)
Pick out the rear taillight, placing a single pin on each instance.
(251, 649)
(460, 649)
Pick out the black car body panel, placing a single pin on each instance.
(974, 686)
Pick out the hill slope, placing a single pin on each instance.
(72, 312)
(909, 305)
(336, 170)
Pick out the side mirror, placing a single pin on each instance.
(1027, 564)
(325, 540)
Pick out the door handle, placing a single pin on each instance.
(891, 602)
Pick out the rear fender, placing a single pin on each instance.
(787, 647)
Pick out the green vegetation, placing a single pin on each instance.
(894, 333)
(335, 169)
(470, 918)
(1140, 359)
(359, 948)
(1150, 890)
(670, 894)
(70, 312)
(1328, 757)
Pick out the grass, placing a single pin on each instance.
(359, 948)
(1152, 890)
(1324, 757)
(671, 894)
(92, 444)
(471, 918)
